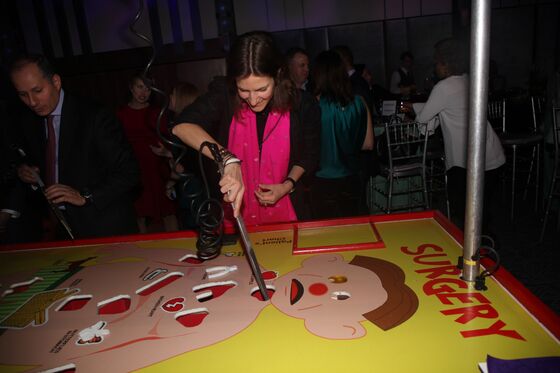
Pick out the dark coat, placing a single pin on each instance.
(94, 155)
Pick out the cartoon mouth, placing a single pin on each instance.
(296, 291)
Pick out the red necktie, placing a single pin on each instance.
(50, 153)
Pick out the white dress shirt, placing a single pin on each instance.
(449, 100)
(396, 80)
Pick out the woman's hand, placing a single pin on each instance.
(170, 189)
(231, 185)
(407, 107)
(161, 150)
(269, 194)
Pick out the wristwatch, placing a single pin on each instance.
(86, 194)
(292, 181)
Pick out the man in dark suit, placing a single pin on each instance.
(94, 173)
(298, 67)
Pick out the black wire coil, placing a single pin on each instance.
(209, 213)
(209, 218)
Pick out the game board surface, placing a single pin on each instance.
(370, 294)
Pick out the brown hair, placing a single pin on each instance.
(185, 94)
(401, 303)
(346, 54)
(41, 61)
(147, 80)
(255, 53)
(453, 53)
(331, 79)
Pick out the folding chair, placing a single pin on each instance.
(436, 172)
(554, 191)
(529, 138)
(405, 160)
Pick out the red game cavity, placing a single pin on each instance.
(158, 284)
(191, 318)
(256, 292)
(213, 290)
(115, 305)
(74, 303)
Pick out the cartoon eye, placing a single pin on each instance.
(338, 279)
(340, 295)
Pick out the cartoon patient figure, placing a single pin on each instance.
(156, 304)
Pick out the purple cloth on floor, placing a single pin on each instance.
(549, 364)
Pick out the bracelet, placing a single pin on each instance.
(225, 157)
(231, 160)
(225, 154)
(291, 181)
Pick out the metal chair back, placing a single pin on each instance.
(554, 188)
(403, 154)
(537, 111)
(497, 114)
(406, 145)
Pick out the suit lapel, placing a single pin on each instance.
(34, 139)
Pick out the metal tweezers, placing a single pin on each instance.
(54, 208)
(249, 252)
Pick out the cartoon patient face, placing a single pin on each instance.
(331, 295)
(157, 304)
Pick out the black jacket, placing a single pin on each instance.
(94, 155)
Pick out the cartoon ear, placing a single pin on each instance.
(333, 329)
(322, 258)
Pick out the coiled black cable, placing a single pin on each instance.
(209, 214)
(484, 251)
(209, 218)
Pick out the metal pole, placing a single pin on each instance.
(476, 154)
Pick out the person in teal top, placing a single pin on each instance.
(346, 130)
(343, 132)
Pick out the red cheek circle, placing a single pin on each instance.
(318, 288)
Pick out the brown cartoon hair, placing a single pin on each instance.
(401, 303)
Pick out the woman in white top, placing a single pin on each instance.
(449, 100)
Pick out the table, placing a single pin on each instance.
(366, 294)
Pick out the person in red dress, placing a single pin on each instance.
(139, 119)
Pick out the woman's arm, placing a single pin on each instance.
(436, 103)
(231, 183)
(269, 194)
(368, 140)
(194, 135)
(193, 127)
